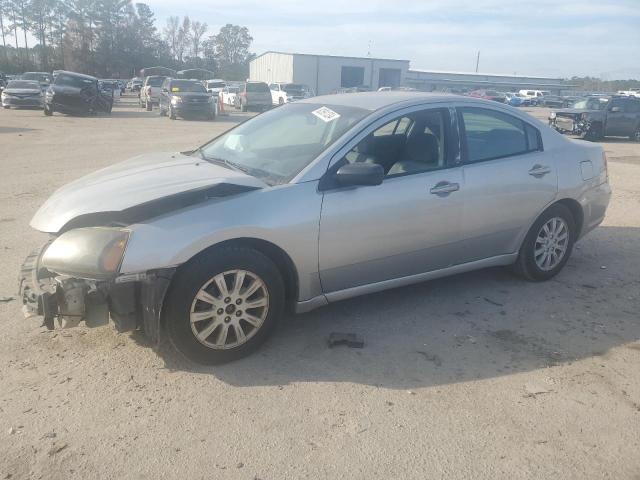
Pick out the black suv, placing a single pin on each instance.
(75, 93)
(600, 116)
(185, 98)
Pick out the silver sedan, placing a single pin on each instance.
(310, 203)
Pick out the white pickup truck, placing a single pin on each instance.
(150, 91)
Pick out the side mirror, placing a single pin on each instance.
(616, 109)
(364, 174)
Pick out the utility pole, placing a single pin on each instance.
(477, 61)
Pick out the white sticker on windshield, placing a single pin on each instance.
(326, 114)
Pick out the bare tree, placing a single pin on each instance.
(198, 30)
(183, 39)
(171, 35)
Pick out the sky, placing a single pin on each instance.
(556, 38)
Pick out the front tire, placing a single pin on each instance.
(548, 245)
(149, 106)
(636, 135)
(48, 111)
(172, 114)
(223, 305)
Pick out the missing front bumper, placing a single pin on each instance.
(63, 302)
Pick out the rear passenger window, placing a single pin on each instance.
(491, 134)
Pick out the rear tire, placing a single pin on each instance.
(161, 111)
(544, 251)
(202, 340)
(6, 107)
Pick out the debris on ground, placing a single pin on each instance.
(57, 448)
(533, 390)
(351, 340)
(431, 357)
(493, 302)
(6, 299)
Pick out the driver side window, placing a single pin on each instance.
(412, 143)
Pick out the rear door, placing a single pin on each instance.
(622, 121)
(509, 180)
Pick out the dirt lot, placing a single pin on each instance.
(479, 376)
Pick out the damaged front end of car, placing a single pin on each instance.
(75, 278)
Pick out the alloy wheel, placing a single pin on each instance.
(229, 309)
(551, 244)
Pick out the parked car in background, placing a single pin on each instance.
(632, 92)
(185, 98)
(534, 96)
(489, 95)
(75, 93)
(253, 96)
(215, 86)
(229, 95)
(358, 89)
(43, 78)
(22, 93)
(136, 84)
(150, 91)
(111, 87)
(557, 101)
(513, 99)
(596, 117)
(364, 193)
(282, 93)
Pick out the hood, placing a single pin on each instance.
(135, 182)
(23, 91)
(574, 111)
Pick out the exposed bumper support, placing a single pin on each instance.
(132, 303)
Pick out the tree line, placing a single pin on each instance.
(113, 39)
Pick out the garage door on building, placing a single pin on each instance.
(389, 77)
(352, 77)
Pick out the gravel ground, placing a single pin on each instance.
(478, 376)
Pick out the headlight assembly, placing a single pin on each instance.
(92, 253)
(552, 115)
(176, 100)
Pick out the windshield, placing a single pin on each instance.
(258, 87)
(23, 84)
(155, 81)
(215, 84)
(181, 86)
(591, 104)
(40, 77)
(294, 88)
(73, 81)
(277, 145)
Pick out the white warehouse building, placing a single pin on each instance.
(325, 74)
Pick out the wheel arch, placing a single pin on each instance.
(279, 256)
(576, 210)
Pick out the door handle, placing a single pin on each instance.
(539, 171)
(443, 188)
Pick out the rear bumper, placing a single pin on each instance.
(64, 302)
(596, 200)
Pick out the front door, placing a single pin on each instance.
(508, 181)
(409, 224)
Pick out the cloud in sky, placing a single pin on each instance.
(541, 37)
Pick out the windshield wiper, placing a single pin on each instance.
(223, 162)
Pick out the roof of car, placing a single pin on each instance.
(376, 100)
(81, 75)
